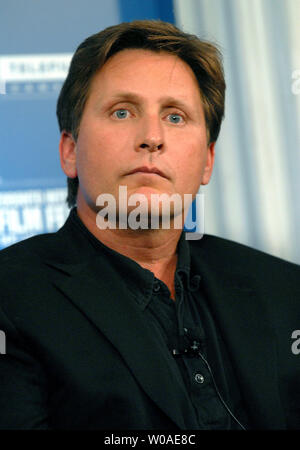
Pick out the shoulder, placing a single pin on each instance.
(31, 250)
(230, 265)
(26, 247)
(62, 246)
(26, 261)
(22, 265)
(227, 254)
(28, 271)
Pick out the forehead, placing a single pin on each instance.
(146, 71)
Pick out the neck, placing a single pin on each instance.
(154, 250)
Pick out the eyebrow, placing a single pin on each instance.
(136, 98)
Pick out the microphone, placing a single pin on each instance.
(193, 346)
(192, 343)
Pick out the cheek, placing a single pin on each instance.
(190, 166)
(103, 141)
(191, 158)
(91, 149)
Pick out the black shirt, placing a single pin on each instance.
(188, 329)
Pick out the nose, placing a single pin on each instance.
(150, 134)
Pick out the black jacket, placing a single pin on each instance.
(80, 355)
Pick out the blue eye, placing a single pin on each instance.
(121, 113)
(175, 118)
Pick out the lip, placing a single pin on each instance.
(150, 170)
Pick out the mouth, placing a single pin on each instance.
(148, 170)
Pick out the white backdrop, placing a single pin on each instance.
(253, 197)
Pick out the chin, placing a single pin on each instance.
(154, 214)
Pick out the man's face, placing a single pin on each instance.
(144, 112)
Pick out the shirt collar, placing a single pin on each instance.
(139, 281)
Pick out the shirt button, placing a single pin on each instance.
(156, 287)
(199, 378)
(194, 283)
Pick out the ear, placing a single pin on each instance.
(210, 159)
(67, 152)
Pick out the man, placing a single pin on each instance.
(116, 327)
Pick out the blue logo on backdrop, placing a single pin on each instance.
(29, 212)
(33, 75)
